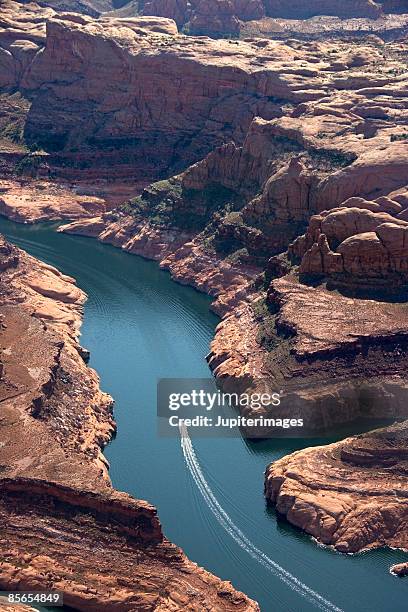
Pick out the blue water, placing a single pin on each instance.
(140, 326)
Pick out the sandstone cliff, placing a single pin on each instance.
(166, 99)
(246, 201)
(44, 372)
(173, 97)
(103, 550)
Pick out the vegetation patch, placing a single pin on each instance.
(399, 137)
(331, 159)
(13, 114)
(277, 343)
(168, 204)
(29, 165)
(266, 330)
(239, 257)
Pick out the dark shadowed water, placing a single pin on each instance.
(140, 326)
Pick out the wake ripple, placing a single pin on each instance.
(240, 538)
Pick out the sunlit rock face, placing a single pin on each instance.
(227, 17)
(346, 494)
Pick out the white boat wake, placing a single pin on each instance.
(227, 523)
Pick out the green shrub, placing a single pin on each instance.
(398, 137)
(167, 204)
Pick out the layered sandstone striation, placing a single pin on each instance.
(101, 548)
(165, 96)
(172, 96)
(167, 100)
(246, 201)
(351, 495)
(23, 35)
(331, 368)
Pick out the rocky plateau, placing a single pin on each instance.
(268, 18)
(222, 18)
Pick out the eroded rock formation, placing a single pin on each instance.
(167, 100)
(158, 92)
(44, 372)
(362, 246)
(216, 225)
(228, 17)
(351, 494)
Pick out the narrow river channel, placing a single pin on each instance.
(140, 326)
